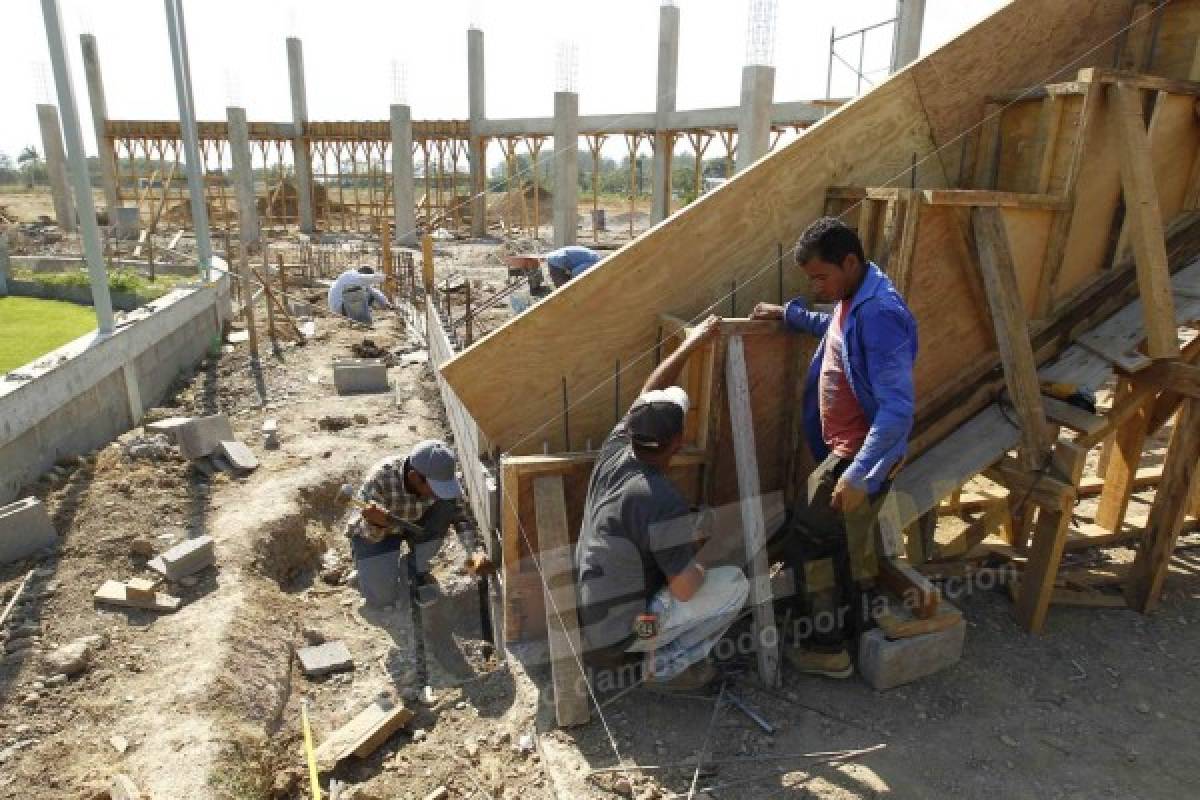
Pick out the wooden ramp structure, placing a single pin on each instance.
(1033, 189)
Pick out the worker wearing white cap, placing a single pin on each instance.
(420, 488)
(643, 587)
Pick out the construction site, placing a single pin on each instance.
(182, 607)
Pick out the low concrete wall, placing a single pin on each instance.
(122, 301)
(56, 264)
(86, 393)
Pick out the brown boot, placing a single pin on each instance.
(695, 678)
(814, 662)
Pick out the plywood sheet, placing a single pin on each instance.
(1175, 48)
(1028, 230)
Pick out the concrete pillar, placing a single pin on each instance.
(89, 232)
(99, 104)
(300, 154)
(4, 264)
(476, 154)
(243, 174)
(56, 166)
(402, 176)
(754, 120)
(668, 74)
(910, 17)
(566, 167)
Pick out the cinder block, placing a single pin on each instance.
(325, 659)
(185, 558)
(885, 663)
(359, 376)
(25, 528)
(169, 426)
(203, 435)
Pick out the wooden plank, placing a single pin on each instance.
(1012, 332)
(1069, 416)
(1049, 125)
(987, 156)
(1046, 491)
(898, 622)
(750, 501)
(363, 734)
(982, 198)
(1049, 537)
(115, 593)
(916, 592)
(1086, 599)
(1175, 376)
(510, 548)
(1138, 80)
(562, 618)
(1144, 220)
(1127, 360)
(901, 262)
(1149, 572)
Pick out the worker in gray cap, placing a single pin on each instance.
(647, 591)
(420, 488)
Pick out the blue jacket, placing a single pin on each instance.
(880, 348)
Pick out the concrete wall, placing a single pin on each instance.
(103, 386)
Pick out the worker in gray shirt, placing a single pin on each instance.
(643, 588)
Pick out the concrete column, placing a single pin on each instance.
(754, 120)
(566, 167)
(243, 174)
(402, 176)
(89, 232)
(664, 103)
(99, 104)
(4, 264)
(304, 182)
(910, 17)
(477, 108)
(56, 166)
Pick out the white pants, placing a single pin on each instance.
(688, 629)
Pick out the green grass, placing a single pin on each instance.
(31, 327)
(119, 280)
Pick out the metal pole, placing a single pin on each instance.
(187, 122)
(77, 160)
(862, 47)
(829, 70)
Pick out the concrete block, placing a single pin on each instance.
(203, 435)
(359, 376)
(300, 308)
(886, 663)
(325, 659)
(185, 558)
(239, 456)
(169, 426)
(25, 528)
(127, 222)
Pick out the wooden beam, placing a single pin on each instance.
(1049, 125)
(1174, 376)
(983, 198)
(987, 155)
(766, 638)
(510, 548)
(1138, 80)
(1144, 220)
(901, 262)
(1073, 417)
(1124, 458)
(1049, 536)
(1012, 332)
(562, 617)
(913, 588)
(1149, 572)
(1043, 489)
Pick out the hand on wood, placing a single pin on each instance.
(705, 330)
(767, 311)
(375, 515)
(847, 497)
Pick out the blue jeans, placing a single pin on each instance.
(380, 578)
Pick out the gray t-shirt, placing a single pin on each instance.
(637, 532)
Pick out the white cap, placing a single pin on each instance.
(672, 394)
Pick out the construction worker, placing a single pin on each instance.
(353, 294)
(644, 590)
(569, 262)
(421, 488)
(858, 413)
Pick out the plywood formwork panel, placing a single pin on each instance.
(1028, 231)
(1178, 34)
(684, 266)
(1017, 170)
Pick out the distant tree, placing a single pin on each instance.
(29, 161)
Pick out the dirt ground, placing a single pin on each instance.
(206, 702)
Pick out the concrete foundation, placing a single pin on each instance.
(754, 123)
(402, 176)
(566, 168)
(99, 105)
(360, 376)
(79, 399)
(886, 663)
(55, 156)
(664, 104)
(303, 161)
(25, 528)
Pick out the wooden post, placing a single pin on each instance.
(266, 254)
(1049, 536)
(1144, 220)
(246, 289)
(766, 636)
(282, 278)
(427, 263)
(1149, 572)
(388, 268)
(1124, 457)
(562, 618)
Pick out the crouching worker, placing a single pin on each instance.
(354, 293)
(644, 591)
(420, 488)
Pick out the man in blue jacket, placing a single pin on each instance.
(858, 413)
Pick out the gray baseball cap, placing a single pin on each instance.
(435, 461)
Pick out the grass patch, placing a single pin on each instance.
(31, 327)
(119, 280)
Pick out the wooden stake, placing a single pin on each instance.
(246, 289)
(427, 263)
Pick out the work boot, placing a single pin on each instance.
(695, 678)
(814, 662)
